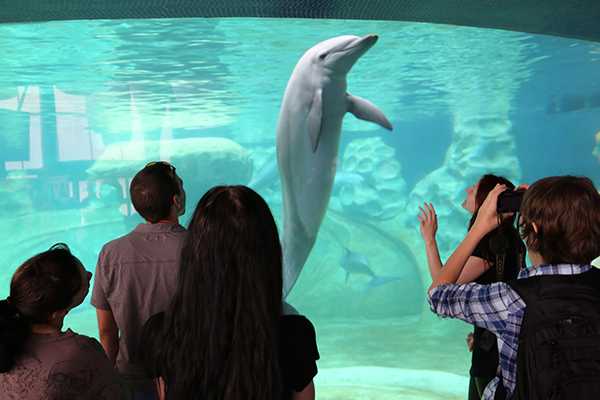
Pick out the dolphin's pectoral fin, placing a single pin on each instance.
(314, 120)
(365, 110)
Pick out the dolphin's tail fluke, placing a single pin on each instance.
(377, 281)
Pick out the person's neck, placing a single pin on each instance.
(45, 329)
(536, 259)
(171, 220)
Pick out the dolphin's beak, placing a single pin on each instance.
(365, 43)
(370, 39)
(351, 52)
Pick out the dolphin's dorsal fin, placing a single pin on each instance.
(314, 119)
(365, 110)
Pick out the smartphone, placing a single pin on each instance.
(510, 201)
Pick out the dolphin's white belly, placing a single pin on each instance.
(308, 176)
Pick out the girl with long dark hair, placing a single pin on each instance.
(224, 336)
(497, 258)
(37, 359)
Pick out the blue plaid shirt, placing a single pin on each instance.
(497, 308)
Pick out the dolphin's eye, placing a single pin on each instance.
(322, 56)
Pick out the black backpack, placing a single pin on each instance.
(559, 343)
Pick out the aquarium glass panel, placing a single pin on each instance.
(85, 104)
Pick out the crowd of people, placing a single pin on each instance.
(197, 312)
(546, 323)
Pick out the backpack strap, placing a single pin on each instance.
(500, 393)
(500, 258)
(529, 289)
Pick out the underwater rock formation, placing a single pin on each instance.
(265, 178)
(381, 193)
(483, 139)
(201, 162)
(480, 145)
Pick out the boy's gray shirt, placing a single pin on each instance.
(136, 278)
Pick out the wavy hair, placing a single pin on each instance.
(45, 283)
(566, 211)
(221, 331)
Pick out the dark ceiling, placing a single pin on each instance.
(570, 18)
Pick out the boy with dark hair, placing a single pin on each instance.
(547, 322)
(136, 274)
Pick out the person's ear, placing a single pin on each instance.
(58, 315)
(177, 201)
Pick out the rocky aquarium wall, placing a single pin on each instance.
(85, 104)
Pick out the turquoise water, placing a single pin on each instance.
(83, 106)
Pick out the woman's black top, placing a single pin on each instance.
(484, 360)
(298, 351)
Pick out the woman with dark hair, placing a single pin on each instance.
(37, 359)
(223, 336)
(497, 258)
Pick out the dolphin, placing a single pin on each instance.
(378, 281)
(308, 135)
(355, 263)
(268, 175)
(358, 264)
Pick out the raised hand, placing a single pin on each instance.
(427, 222)
(487, 216)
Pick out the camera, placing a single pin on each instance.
(510, 201)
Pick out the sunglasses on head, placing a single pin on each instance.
(162, 164)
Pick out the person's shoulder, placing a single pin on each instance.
(117, 243)
(71, 351)
(298, 351)
(116, 251)
(296, 328)
(82, 356)
(82, 345)
(295, 322)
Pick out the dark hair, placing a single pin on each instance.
(566, 211)
(504, 239)
(486, 184)
(152, 190)
(45, 283)
(148, 352)
(221, 332)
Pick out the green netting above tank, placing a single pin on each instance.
(577, 19)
